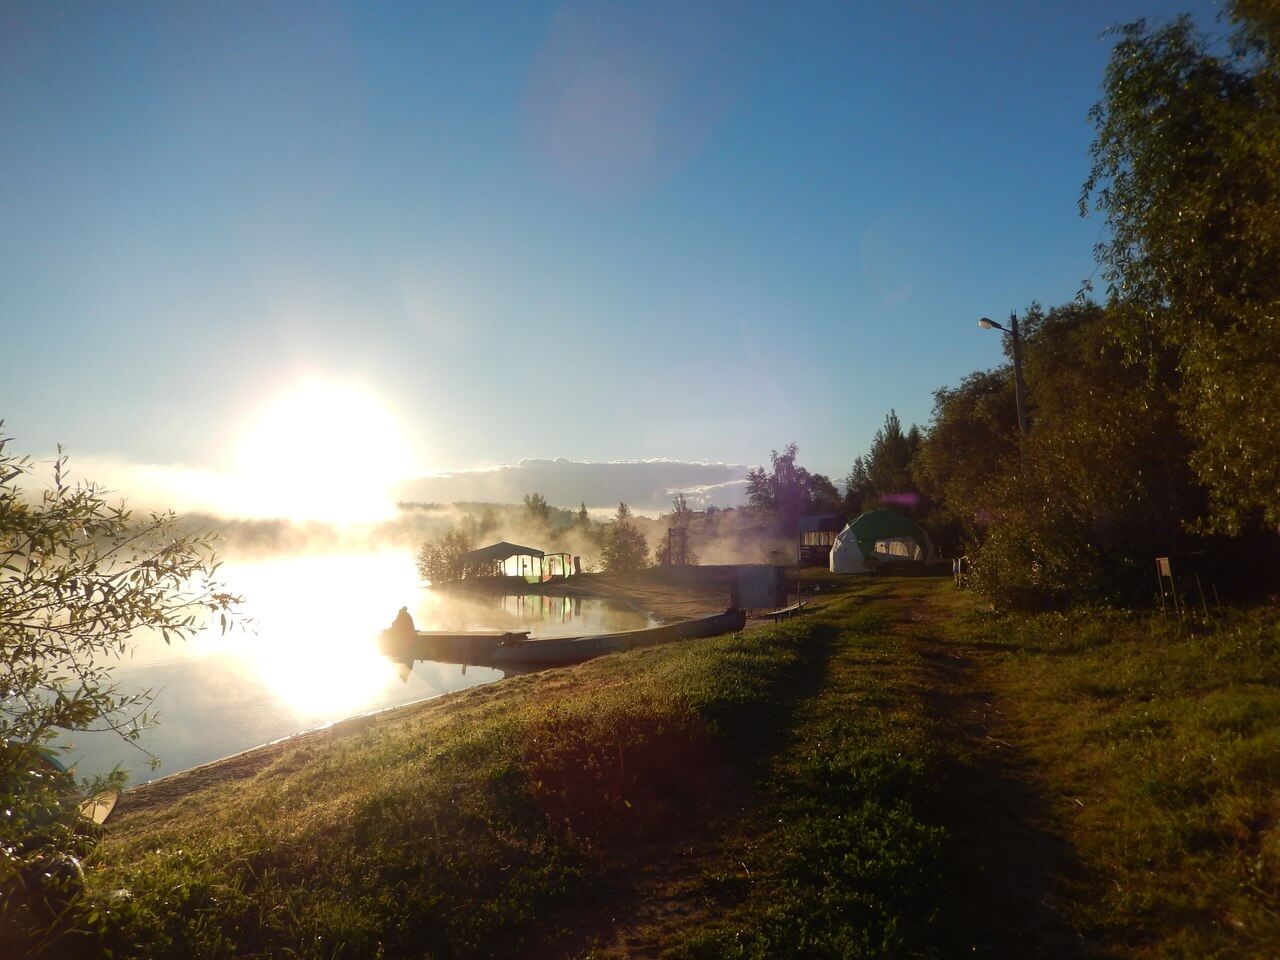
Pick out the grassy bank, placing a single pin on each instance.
(968, 783)
(466, 829)
(896, 775)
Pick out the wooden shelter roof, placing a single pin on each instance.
(501, 550)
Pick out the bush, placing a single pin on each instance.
(78, 575)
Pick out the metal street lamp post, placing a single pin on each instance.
(1019, 386)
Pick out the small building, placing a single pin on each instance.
(816, 533)
(503, 559)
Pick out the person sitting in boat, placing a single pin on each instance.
(403, 623)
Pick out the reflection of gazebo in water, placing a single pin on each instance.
(539, 608)
(503, 559)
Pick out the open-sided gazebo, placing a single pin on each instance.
(503, 559)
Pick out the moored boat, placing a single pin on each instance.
(566, 650)
(444, 647)
(731, 621)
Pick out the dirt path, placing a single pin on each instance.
(665, 890)
(1006, 860)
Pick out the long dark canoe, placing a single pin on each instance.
(471, 648)
(731, 621)
(564, 650)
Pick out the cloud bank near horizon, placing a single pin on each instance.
(645, 485)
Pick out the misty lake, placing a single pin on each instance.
(306, 656)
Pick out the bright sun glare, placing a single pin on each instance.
(310, 642)
(323, 450)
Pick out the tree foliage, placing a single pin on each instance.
(443, 560)
(888, 463)
(538, 515)
(1154, 418)
(1105, 484)
(823, 495)
(79, 577)
(858, 491)
(625, 548)
(1186, 170)
(885, 477)
(787, 490)
(680, 519)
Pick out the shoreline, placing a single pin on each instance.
(664, 598)
(245, 763)
(666, 594)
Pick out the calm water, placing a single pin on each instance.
(308, 657)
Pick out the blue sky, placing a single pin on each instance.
(591, 231)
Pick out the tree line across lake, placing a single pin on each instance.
(615, 545)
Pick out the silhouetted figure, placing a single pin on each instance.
(402, 625)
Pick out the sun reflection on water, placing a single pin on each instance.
(311, 624)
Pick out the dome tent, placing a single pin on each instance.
(879, 535)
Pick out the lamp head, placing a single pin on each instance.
(986, 323)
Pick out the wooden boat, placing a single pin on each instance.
(445, 647)
(564, 650)
(731, 621)
(97, 807)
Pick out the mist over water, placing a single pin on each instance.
(305, 655)
(303, 652)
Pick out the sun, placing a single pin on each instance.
(323, 450)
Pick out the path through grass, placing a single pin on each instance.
(838, 862)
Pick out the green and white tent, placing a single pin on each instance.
(879, 536)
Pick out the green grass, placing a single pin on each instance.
(896, 775)
(462, 833)
(1158, 748)
(1112, 778)
(841, 864)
